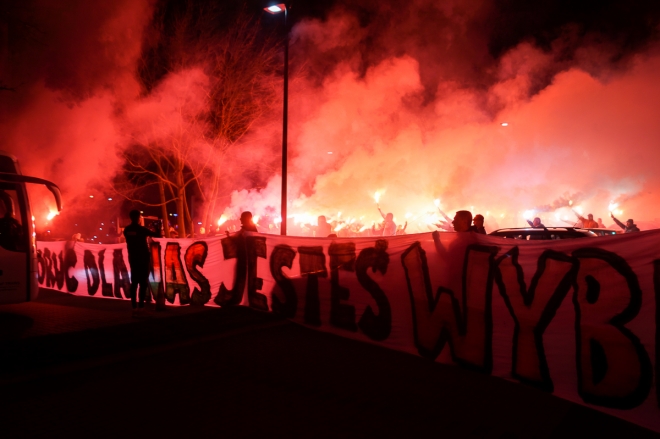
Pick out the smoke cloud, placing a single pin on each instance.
(416, 111)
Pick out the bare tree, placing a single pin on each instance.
(240, 62)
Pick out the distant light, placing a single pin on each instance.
(329, 152)
(176, 214)
(276, 9)
(505, 124)
(170, 214)
(100, 228)
(199, 223)
(109, 199)
(91, 196)
(103, 224)
(94, 236)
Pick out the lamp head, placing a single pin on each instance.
(276, 9)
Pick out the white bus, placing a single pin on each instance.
(18, 242)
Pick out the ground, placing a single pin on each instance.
(79, 366)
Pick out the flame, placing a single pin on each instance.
(377, 197)
(436, 202)
(431, 219)
(528, 214)
(222, 220)
(255, 219)
(340, 226)
(52, 214)
(277, 220)
(612, 207)
(570, 202)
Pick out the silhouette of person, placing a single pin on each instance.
(139, 257)
(478, 224)
(247, 225)
(462, 221)
(389, 227)
(537, 224)
(600, 224)
(323, 229)
(628, 227)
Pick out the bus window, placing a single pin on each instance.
(12, 227)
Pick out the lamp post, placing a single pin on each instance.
(276, 9)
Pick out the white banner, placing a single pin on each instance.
(576, 318)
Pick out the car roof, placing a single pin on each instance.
(567, 232)
(600, 231)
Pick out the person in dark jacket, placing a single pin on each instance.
(628, 227)
(478, 224)
(537, 224)
(139, 257)
(247, 224)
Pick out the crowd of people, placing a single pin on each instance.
(136, 237)
(336, 227)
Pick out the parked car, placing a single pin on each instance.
(529, 233)
(602, 232)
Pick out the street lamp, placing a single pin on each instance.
(276, 9)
